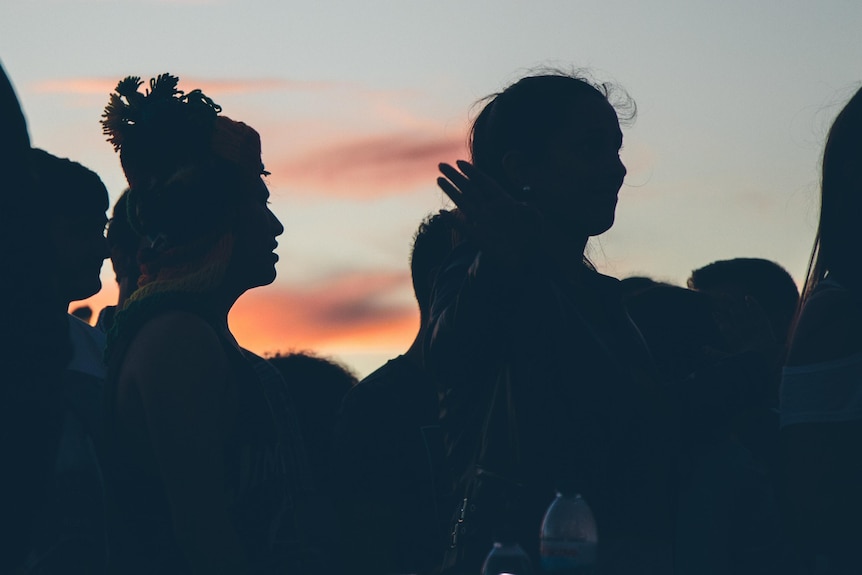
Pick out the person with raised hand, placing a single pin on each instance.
(545, 384)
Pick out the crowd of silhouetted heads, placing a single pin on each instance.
(711, 427)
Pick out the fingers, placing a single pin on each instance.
(461, 221)
(470, 187)
(458, 187)
(454, 193)
(484, 185)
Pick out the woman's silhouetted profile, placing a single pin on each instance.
(545, 383)
(205, 466)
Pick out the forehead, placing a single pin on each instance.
(81, 219)
(594, 116)
(78, 201)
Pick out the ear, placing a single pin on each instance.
(516, 168)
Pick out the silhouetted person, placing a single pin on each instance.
(206, 467)
(678, 327)
(318, 386)
(70, 529)
(821, 390)
(767, 282)
(124, 244)
(760, 298)
(634, 285)
(34, 344)
(388, 452)
(727, 516)
(545, 383)
(754, 289)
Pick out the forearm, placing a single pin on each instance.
(473, 302)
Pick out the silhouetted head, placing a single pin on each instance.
(432, 243)
(765, 281)
(678, 326)
(75, 200)
(123, 242)
(633, 285)
(841, 197)
(195, 189)
(14, 136)
(553, 140)
(317, 386)
(837, 245)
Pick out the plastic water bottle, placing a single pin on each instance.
(507, 559)
(569, 537)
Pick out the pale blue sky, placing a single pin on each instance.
(734, 102)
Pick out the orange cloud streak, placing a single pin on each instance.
(354, 311)
(372, 166)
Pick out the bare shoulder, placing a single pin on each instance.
(829, 328)
(174, 352)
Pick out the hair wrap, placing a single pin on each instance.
(187, 167)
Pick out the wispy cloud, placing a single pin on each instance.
(103, 86)
(358, 311)
(371, 166)
(379, 148)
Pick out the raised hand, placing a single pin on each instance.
(502, 227)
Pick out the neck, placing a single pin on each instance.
(223, 300)
(414, 353)
(566, 249)
(126, 288)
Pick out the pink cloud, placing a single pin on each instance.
(371, 166)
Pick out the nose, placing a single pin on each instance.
(277, 226)
(620, 170)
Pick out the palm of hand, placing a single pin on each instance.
(501, 226)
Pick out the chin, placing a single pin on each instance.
(600, 224)
(264, 279)
(600, 229)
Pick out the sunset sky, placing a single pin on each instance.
(356, 104)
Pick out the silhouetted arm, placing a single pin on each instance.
(483, 280)
(179, 368)
(472, 300)
(477, 307)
